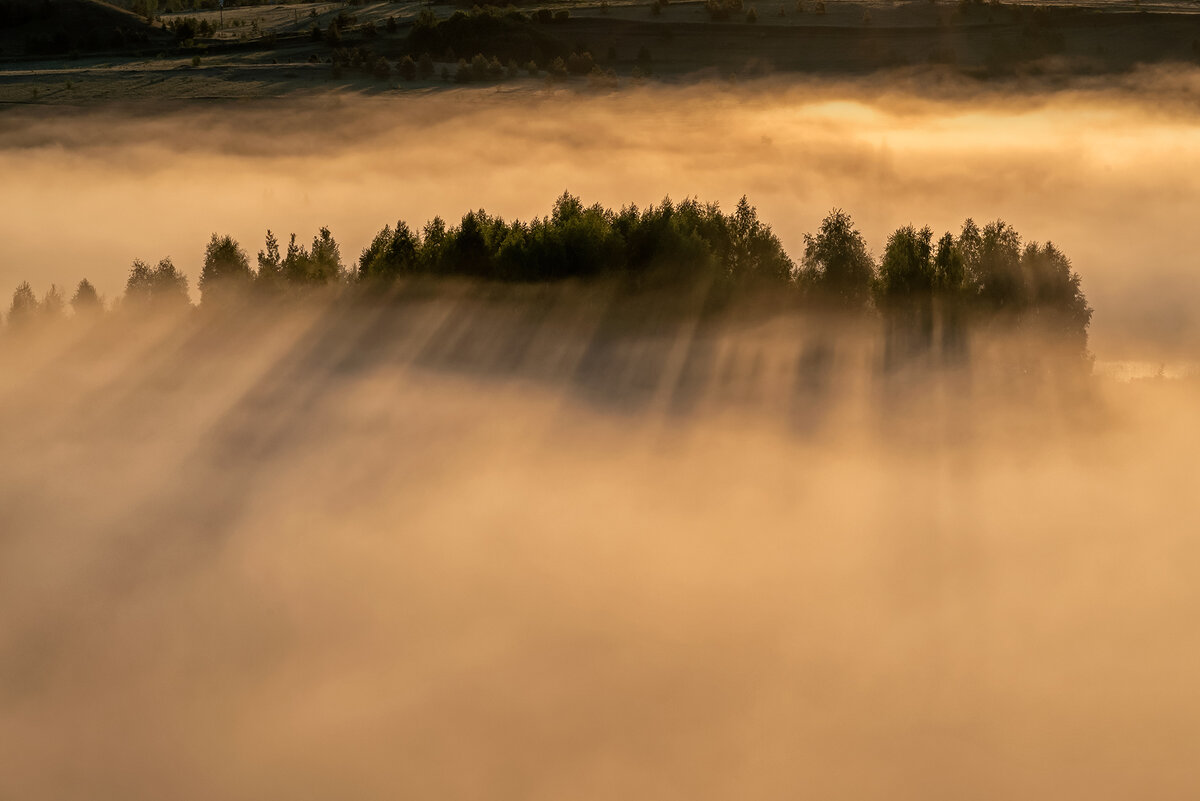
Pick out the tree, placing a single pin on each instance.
(325, 258)
(270, 267)
(907, 267)
(226, 269)
(904, 293)
(320, 265)
(755, 253)
(949, 270)
(161, 287)
(997, 271)
(295, 263)
(1058, 303)
(836, 261)
(53, 305)
(86, 301)
(390, 254)
(24, 306)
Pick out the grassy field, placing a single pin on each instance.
(269, 51)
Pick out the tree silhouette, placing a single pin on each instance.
(691, 248)
(997, 273)
(1058, 303)
(24, 306)
(86, 301)
(755, 253)
(226, 269)
(949, 270)
(158, 287)
(325, 259)
(53, 305)
(295, 265)
(836, 261)
(391, 253)
(904, 293)
(907, 267)
(270, 266)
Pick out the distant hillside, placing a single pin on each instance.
(61, 27)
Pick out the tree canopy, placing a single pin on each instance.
(988, 273)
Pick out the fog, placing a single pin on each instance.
(468, 542)
(466, 545)
(1107, 171)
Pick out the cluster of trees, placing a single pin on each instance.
(26, 308)
(188, 28)
(688, 244)
(671, 242)
(503, 34)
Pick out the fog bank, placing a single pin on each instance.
(445, 550)
(1107, 173)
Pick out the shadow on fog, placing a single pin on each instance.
(228, 505)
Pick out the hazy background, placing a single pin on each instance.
(466, 547)
(1108, 173)
(340, 553)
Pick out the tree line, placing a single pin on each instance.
(989, 271)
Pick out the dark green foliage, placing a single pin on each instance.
(668, 243)
(324, 259)
(988, 272)
(322, 264)
(225, 267)
(161, 286)
(270, 266)
(295, 264)
(993, 262)
(921, 287)
(1054, 292)
(949, 271)
(907, 267)
(836, 263)
(391, 254)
